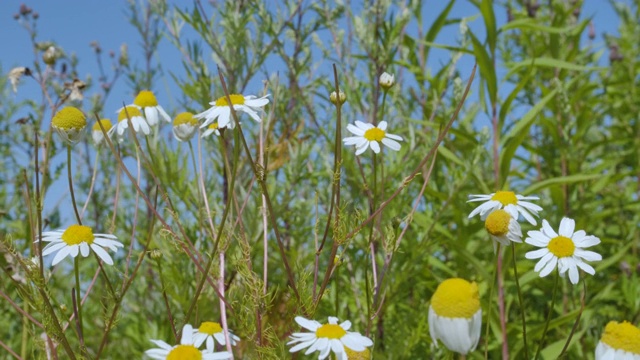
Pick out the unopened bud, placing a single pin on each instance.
(334, 97)
(50, 56)
(387, 80)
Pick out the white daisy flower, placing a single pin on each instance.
(327, 338)
(96, 131)
(79, 239)
(387, 80)
(220, 110)
(185, 350)
(565, 249)
(147, 101)
(212, 129)
(184, 126)
(620, 341)
(455, 316)
(137, 120)
(367, 135)
(503, 228)
(69, 124)
(208, 331)
(512, 203)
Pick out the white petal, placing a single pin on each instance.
(394, 137)
(63, 253)
(573, 274)
(84, 249)
(537, 253)
(549, 267)
(391, 144)
(102, 254)
(355, 130)
(375, 146)
(566, 227)
(546, 228)
(310, 325)
(382, 125)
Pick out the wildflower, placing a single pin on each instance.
(212, 129)
(186, 350)
(334, 97)
(328, 337)
(565, 249)
(96, 131)
(221, 110)
(503, 228)
(210, 330)
(455, 316)
(146, 101)
(508, 200)
(386, 81)
(15, 74)
(79, 239)
(367, 135)
(69, 123)
(138, 122)
(620, 341)
(184, 126)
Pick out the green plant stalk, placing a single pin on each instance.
(76, 270)
(73, 196)
(524, 324)
(491, 288)
(546, 325)
(374, 273)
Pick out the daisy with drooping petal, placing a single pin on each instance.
(147, 101)
(96, 131)
(220, 110)
(455, 316)
(69, 124)
(184, 126)
(512, 203)
(503, 228)
(327, 338)
(208, 331)
(565, 249)
(186, 350)
(79, 239)
(212, 129)
(138, 122)
(367, 135)
(620, 341)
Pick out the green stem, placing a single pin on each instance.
(73, 196)
(524, 324)
(546, 325)
(493, 283)
(76, 269)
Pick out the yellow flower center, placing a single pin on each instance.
(145, 98)
(76, 234)
(561, 246)
(456, 298)
(355, 355)
(374, 134)
(185, 118)
(497, 223)
(236, 99)
(184, 352)
(330, 331)
(622, 336)
(210, 327)
(131, 110)
(505, 197)
(69, 118)
(106, 124)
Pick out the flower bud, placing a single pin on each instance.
(334, 97)
(387, 80)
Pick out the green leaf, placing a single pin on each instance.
(536, 187)
(549, 62)
(486, 8)
(447, 154)
(532, 24)
(441, 20)
(487, 70)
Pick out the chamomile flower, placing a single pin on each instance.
(184, 126)
(503, 228)
(387, 81)
(69, 124)
(78, 239)
(327, 338)
(565, 249)
(367, 135)
(455, 316)
(138, 122)
(212, 129)
(208, 331)
(147, 101)
(96, 131)
(512, 203)
(222, 111)
(186, 350)
(620, 341)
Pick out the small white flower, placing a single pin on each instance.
(69, 124)
(512, 203)
(186, 350)
(78, 239)
(184, 126)
(212, 129)
(565, 249)
(137, 120)
(96, 131)
(620, 341)
(327, 338)
(367, 135)
(503, 228)
(208, 331)
(387, 80)
(147, 101)
(220, 110)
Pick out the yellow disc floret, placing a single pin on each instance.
(374, 134)
(622, 336)
(106, 124)
(69, 118)
(210, 327)
(330, 331)
(145, 98)
(505, 197)
(355, 355)
(497, 223)
(456, 298)
(76, 234)
(129, 110)
(185, 118)
(561, 246)
(184, 352)
(236, 99)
